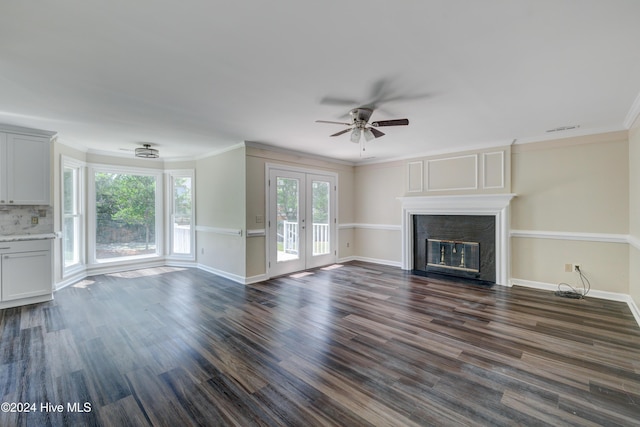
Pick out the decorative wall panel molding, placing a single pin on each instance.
(493, 170)
(415, 177)
(453, 173)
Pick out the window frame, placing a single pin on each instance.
(159, 212)
(170, 176)
(80, 174)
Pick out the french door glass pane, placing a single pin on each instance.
(182, 198)
(288, 202)
(320, 208)
(125, 215)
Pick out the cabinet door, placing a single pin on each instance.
(26, 274)
(28, 170)
(3, 167)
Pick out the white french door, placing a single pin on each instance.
(302, 220)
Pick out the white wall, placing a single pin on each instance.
(220, 207)
(568, 189)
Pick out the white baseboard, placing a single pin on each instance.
(179, 263)
(231, 276)
(70, 280)
(371, 260)
(593, 293)
(255, 279)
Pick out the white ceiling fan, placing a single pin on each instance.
(360, 125)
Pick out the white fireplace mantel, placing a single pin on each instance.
(496, 205)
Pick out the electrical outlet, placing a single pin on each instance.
(34, 220)
(568, 268)
(202, 251)
(347, 244)
(577, 267)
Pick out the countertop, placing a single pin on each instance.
(19, 237)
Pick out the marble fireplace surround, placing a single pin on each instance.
(496, 205)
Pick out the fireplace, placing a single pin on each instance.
(462, 246)
(491, 247)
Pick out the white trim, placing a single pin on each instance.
(233, 277)
(633, 113)
(219, 151)
(346, 259)
(420, 188)
(261, 232)
(76, 277)
(27, 131)
(170, 176)
(390, 227)
(219, 230)
(91, 210)
(634, 241)
(569, 133)
(570, 235)
(255, 279)
(475, 177)
(81, 167)
(496, 205)
(593, 293)
(484, 170)
(268, 168)
(440, 152)
(371, 260)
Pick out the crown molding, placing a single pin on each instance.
(27, 131)
(633, 113)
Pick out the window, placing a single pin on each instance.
(181, 230)
(72, 216)
(126, 215)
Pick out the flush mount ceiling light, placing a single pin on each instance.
(146, 152)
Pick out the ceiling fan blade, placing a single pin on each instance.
(376, 132)
(341, 132)
(395, 122)
(334, 123)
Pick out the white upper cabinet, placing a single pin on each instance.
(25, 167)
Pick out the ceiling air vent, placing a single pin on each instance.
(561, 128)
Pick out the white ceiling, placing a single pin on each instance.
(194, 77)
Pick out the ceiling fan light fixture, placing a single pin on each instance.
(368, 135)
(146, 152)
(355, 135)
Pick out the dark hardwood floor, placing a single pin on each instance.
(359, 344)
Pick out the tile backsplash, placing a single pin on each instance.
(17, 220)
